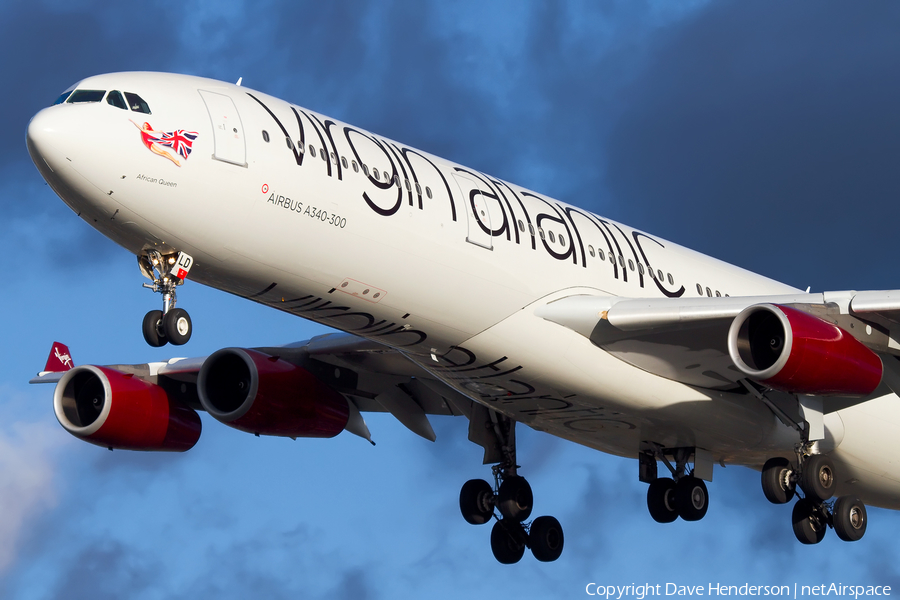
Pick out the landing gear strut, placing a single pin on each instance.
(169, 325)
(511, 496)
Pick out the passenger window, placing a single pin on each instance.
(708, 293)
(590, 248)
(85, 96)
(541, 232)
(344, 161)
(659, 275)
(612, 258)
(718, 295)
(562, 239)
(640, 268)
(365, 169)
(531, 229)
(552, 237)
(699, 289)
(137, 104)
(300, 147)
(651, 273)
(630, 265)
(428, 192)
(333, 158)
(396, 180)
(114, 98)
(265, 135)
(376, 174)
(671, 279)
(621, 261)
(312, 151)
(418, 189)
(355, 166)
(408, 186)
(521, 225)
(287, 140)
(601, 254)
(323, 154)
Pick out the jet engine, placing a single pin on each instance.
(262, 394)
(793, 351)
(117, 410)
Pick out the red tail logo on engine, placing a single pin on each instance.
(60, 359)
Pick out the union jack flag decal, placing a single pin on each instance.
(180, 141)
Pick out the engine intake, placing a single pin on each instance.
(115, 410)
(262, 394)
(793, 351)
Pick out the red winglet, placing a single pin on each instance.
(60, 359)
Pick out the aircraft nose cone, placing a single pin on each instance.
(39, 137)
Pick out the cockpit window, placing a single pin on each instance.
(136, 103)
(62, 97)
(114, 98)
(79, 96)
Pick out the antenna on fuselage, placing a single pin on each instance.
(240, 79)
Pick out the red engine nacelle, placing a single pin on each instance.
(262, 394)
(114, 410)
(793, 351)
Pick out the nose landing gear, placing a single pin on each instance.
(169, 325)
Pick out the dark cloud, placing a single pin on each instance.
(768, 138)
(104, 569)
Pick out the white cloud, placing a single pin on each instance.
(28, 451)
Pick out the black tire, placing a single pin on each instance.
(808, 522)
(691, 498)
(776, 482)
(514, 499)
(508, 541)
(177, 325)
(546, 539)
(849, 518)
(817, 479)
(153, 333)
(661, 500)
(476, 501)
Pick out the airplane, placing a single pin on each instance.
(456, 293)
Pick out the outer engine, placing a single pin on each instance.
(793, 351)
(262, 394)
(114, 410)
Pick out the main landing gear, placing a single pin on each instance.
(683, 495)
(169, 325)
(813, 514)
(511, 496)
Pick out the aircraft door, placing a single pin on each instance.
(227, 128)
(477, 211)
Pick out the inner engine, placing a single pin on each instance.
(262, 394)
(793, 351)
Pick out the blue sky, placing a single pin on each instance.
(766, 134)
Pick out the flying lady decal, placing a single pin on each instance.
(180, 141)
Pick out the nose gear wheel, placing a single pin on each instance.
(167, 272)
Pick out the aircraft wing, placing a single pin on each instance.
(707, 342)
(372, 377)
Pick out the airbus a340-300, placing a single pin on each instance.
(457, 294)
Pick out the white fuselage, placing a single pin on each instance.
(443, 263)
